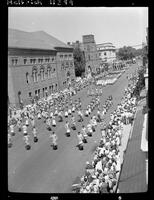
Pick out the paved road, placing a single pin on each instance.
(43, 170)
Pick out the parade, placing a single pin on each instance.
(77, 101)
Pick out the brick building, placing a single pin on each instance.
(91, 53)
(38, 64)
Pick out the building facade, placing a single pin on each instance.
(107, 52)
(38, 65)
(91, 54)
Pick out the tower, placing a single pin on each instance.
(91, 54)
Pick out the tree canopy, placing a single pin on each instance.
(125, 52)
(79, 61)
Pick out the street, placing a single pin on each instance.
(43, 170)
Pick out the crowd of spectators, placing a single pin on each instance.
(101, 175)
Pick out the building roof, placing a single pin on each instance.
(107, 44)
(33, 40)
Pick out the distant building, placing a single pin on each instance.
(91, 54)
(107, 52)
(38, 65)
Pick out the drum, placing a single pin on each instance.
(27, 147)
(49, 128)
(68, 134)
(89, 134)
(84, 140)
(80, 147)
(73, 127)
(35, 139)
(55, 147)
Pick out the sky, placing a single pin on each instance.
(120, 26)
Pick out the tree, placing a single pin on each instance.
(125, 53)
(79, 61)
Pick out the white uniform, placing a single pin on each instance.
(54, 139)
(53, 122)
(39, 115)
(26, 139)
(35, 132)
(84, 132)
(12, 128)
(27, 122)
(67, 128)
(66, 114)
(24, 129)
(80, 139)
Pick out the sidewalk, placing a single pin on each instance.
(133, 174)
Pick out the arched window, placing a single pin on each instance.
(34, 74)
(42, 73)
(49, 72)
(19, 97)
(27, 78)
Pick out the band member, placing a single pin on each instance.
(69, 111)
(67, 129)
(86, 113)
(35, 134)
(39, 115)
(56, 111)
(12, 130)
(48, 123)
(9, 140)
(53, 121)
(80, 141)
(19, 125)
(98, 115)
(27, 143)
(80, 116)
(84, 134)
(73, 124)
(73, 108)
(90, 131)
(27, 121)
(32, 122)
(54, 138)
(60, 116)
(66, 114)
(24, 128)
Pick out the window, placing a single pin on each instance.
(27, 78)
(53, 59)
(54, 69)
(25, 61)
(40, 60)
(43, 92)
(56, 86)
(49, 72)
(39, 93)
(30, 94)
(104, 53)
(70, 55)
(34, 75)
(50, 89)
(47, 60)
(14, 61)
(65, 56)
(35, 92)
(42, 74)
(88, 57)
